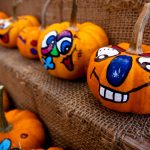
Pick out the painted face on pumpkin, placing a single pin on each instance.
(27, 44)
(5, 26)
(113, 70)
(57, 45)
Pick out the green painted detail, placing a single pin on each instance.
(54, 52)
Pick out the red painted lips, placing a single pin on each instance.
(4, 38)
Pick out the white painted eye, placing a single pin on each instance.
(2, 21)
(4, 24)
(49, 38)
(144, 63)
(106, 52)
(64, 45)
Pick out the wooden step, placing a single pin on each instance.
(73, 117)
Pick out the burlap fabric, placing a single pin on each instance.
(73, 117)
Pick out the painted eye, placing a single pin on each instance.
(64, 45)
(105, 52)
(2, 21)
(50, 38)
(4, 24)
(144, 62)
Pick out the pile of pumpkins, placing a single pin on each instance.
(119, 76)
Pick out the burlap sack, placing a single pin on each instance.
(74, 119)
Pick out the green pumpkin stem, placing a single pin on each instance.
(73, 19)
(135, 46)
(15, 6)
(4, 125)
(43, 16)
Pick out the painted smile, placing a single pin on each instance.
(113, 95)
(23, 40)
(67, 61)
(4, 37)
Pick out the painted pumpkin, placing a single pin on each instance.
(27, 42)
(9, 30)
(65, 48)
(3, 15)
(28, 37)
(120, 79)
(20, 128)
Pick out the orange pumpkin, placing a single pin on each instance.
(10, 28)
(20, 128)
(120, 79)
(65, 48)
(27, 42)
(28, 37)
(3, 15)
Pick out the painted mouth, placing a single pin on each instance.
(23, 40)
(113, 96)
(4, 38)
(67, 61)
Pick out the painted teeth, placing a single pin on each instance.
(113, 96)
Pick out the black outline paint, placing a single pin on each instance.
(114, 91)
(143, 64)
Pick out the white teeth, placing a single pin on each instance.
(118, 97)
(125, 98)
(113, 96)
(109, 95)
(102, 91)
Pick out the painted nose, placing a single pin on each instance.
(118, 69)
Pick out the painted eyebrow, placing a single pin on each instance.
(145, 54)
(118, 48)
(63, 34)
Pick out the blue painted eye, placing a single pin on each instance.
(64, 45)
(50, 38)
(118, 69)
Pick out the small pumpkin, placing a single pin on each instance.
(3, 15)
(65, 48)
(20, 128)
(28, 37)
(27, 42)
(120, 78)
(10, 28)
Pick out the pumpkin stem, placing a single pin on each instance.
(15, 6)
(61, 6)
(135, 46)
(43, 16)
(73, 19)
(4, 125)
